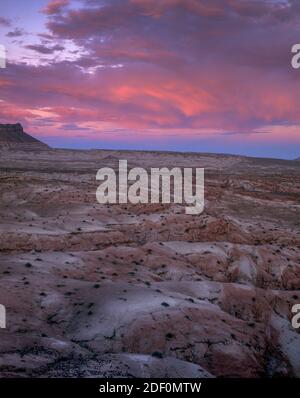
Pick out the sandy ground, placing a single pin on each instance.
(146, 290)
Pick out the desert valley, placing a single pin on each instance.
(146, 290)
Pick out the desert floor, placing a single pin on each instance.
(146, 290)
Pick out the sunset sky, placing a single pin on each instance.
(187, 75)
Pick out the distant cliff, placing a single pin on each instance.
(13, 136)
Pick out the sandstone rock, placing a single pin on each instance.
(12, 136)
(146, 290)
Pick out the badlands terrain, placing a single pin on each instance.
(147, 290)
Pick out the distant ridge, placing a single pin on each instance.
(13, 136)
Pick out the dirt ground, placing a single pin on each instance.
(147, 290)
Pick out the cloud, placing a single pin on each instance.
(180, 65)
(42, 49)
(154, 97)
(177, 32)
(16, 33)
(73, 127)
(5, 21)
(55, 7)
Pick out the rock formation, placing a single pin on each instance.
(13, 136)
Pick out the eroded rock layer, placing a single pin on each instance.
(146, 290)
(12, 136)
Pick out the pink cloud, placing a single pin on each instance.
(146, 65)
(55, 7)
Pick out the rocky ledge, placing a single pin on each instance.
(13, 136)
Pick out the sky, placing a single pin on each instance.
(180, 75)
